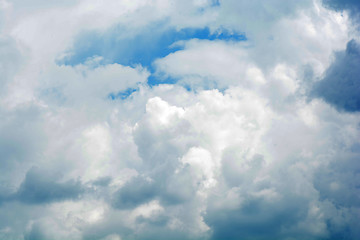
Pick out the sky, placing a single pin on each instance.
(179, 119)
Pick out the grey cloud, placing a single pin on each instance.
(10, 60)
(137, 191)
(178, 187)
(158, 232)
(168, 187)
(248, 215)
(21, 134)
(342, 4)
(157, 144)
(340, 182)
(267, 13)
(35, 233)
(40, 187)
(160, 220)
(160, 148)
(22, 138)
(341, 84)
(256, 219)
(41, 4)
(237, 169)
(353, 6)
(102, 182)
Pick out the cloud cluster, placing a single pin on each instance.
(352, 6)
(341, 84)
(252, 138)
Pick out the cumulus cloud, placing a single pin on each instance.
(216, 137)
(39, 187)
(341, 84)
(134, 193)
(350, 5)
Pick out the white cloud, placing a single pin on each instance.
(246, 153)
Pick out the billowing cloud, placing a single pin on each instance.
(352, 6)
(39, 187)
(194, 119)
(341, 84)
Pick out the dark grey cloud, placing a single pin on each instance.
(339, 178)
(169, 188)
(21, 140)
(252, 216)
(353, 6)
(137, 191)
(157, 232)
(341, 84)
(339, 184)
(35, 233)
(102, 181)
(256, 219)
(160, 220)
(40, 187)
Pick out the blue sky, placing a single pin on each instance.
(179, 119)
(142, 48)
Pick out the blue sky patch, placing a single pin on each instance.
(123, 94)
(215, 3)
(141, 48)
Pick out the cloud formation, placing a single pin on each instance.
(352, 6)
(341, 84)
(194, 119)
(39, 187)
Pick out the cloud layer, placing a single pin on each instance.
(179, 120)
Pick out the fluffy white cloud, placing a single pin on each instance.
(247, 151)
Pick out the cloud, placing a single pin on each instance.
(352, 6)
(341, 83)
(134, 193)
(212, 138)
(35, 233)
(133, 50)
(39, 187)
(91, 81)
(10, 61)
